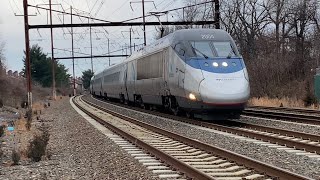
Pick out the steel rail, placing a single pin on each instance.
(264, 137)
(304, 136)
(181, 166)
(301, 110)
(239, 159)
(300, 118)
(268, 138)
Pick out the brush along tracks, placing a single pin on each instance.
(192, 158)
(286, 114)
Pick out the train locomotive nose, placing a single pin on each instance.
(224, 91)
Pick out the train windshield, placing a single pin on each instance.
(211, 49)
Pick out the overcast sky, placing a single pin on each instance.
(12, 29)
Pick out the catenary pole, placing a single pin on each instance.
(74, 78)
(54, 94)
(130, 42)
(27, 61)
(91, 48)
(217, 14)
(109, 50)
(144, 24)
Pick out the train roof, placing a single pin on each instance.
(200, 34)
(182, 35)
(178, 36)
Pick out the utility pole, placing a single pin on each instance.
(217, 14)
(109, 50)
(144, 24)
(54, 94)
(74, 78)
(91, 49)
(130, 42)
(28, 66)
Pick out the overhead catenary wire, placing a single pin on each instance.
(113, 35)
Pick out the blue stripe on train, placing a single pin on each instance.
(234, 64)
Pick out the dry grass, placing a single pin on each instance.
(275, 102)
(57, 97)
(23, 136)
(37, 107)
(14, 93)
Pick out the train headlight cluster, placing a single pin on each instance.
(225, 64)
(192, 96)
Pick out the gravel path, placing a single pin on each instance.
(298, 164)
(78, 150)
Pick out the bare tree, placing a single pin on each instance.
(277, 13)
(2, 59)
(301, 18)
(245, 20)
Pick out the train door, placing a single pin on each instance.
(125, 79)
(176, 68)
(166, 72)
(101, 89)
(130, 83)
(180, 68)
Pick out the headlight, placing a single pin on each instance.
(224, 64)
(192, 96)
(215, 64)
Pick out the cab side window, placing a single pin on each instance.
(179, 48)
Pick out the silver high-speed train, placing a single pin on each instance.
(194, 71)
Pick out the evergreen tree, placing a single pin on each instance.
(41, 69)
(86, 77)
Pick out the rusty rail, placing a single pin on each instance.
(300, 110)
(300, 118)
(267, 138)
(181, 166)
(239, 159)
(304, 136)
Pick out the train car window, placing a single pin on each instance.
(114, 77)
(179, 49)
(131, 72)
(224, 49)
(202, 49)
(150, 67)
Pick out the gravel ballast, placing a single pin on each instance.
(78, 151)
(299, 164)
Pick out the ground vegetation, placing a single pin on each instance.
(38, 145)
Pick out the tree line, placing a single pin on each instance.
(279, 40)
(41, 69)
(2, 59)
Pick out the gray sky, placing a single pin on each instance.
(12, 29)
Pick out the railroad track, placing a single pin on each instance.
(295, 110)
(290, 141)
(191, 158)
(286, 116)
